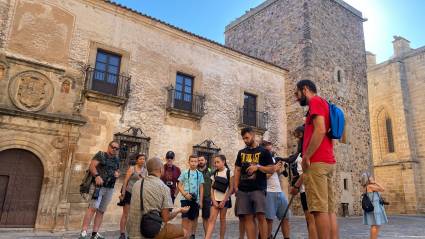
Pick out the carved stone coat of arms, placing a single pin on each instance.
(31, 90)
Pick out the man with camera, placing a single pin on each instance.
(156, 197)
(190, 185)
(172, 173)
(206, 201)
(252, 165)
(105, 169)
(276, 201)
(318, 162)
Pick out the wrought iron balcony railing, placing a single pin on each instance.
(105, 82)
(180, 100)
(253, 118)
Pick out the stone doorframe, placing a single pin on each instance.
(51, 210)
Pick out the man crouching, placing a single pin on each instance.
(156, 196)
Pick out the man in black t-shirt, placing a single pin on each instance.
(252, 165)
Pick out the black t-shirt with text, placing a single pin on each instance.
(247, 157)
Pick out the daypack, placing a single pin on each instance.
(337, 122)
(151, 222)
(366, 203)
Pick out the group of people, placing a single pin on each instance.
(254, 183)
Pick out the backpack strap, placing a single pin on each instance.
(228, 174)
(141, 198)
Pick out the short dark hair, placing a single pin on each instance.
(193, 156)
(299, 130)
(307, 83)
(113, 141)
(247, 130)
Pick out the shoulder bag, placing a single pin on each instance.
(88, 179)
(367, 205)
(221, 184)
(150, 226)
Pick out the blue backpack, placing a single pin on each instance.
(337, 122)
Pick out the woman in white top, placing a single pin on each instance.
(220, 200)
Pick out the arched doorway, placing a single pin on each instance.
(21, 177)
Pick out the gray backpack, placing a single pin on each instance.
(88, 180)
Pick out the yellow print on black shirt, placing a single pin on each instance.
(247, 161)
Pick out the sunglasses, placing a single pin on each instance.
(142, 153)
(113, 147)
(170, 158)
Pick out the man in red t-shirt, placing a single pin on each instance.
(318, 160)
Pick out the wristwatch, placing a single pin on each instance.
(97, 175)
(258, 165)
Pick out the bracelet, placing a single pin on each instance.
(97, 175)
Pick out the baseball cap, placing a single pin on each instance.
(170, 154)
(265, 142)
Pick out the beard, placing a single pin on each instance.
(250, 143)
(201, 165)
(303, 99)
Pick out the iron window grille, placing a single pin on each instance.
(209, 150)
(132, 142)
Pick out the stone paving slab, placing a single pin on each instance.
(399, 226)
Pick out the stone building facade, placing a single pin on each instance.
(75, 75)
(396, 96)
(321, 40)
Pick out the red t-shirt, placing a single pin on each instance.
(324, 153)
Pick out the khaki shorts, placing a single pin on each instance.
(170, 231)
(319, 187)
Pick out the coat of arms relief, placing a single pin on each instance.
(31, 90)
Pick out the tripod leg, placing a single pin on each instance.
(284, 214)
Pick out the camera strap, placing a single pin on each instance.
(188, 177)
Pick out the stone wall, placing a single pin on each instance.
(152, 53)
(316, 40)
(396, 92)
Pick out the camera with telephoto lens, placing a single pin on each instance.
(111, 182)
(96, 192)
(194, 196)
(169, 183)
(245, 166)
(382, 201)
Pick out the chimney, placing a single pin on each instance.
(401, 46)
(370, 59)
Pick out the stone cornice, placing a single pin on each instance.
(41, 116)
(179, 33)
(396, 162)
(37, 65)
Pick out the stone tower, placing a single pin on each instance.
(321, 40)
(396, 96)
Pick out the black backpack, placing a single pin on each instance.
(366, 203)
(221, 184)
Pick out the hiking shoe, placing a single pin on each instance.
(97, 236)
(83, 235)
(122, 236)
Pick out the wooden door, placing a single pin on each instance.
(249, 110)
(21, 177)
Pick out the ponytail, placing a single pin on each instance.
(222, 158)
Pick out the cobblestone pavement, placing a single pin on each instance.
(399, 226)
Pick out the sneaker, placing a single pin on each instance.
(83, 235)
(122, 236)
(192, 236)
(97, 236)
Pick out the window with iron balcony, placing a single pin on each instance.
(249, 116)
(182, 102)
(104, 81)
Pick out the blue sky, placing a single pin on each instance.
(386, 18)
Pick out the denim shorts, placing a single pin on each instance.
(250, 202)
(276, 204)
(102, 202)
